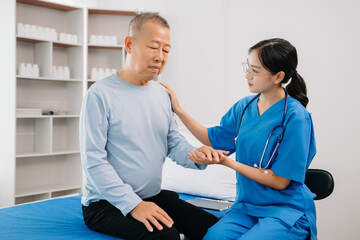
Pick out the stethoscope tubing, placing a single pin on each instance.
(279, 139)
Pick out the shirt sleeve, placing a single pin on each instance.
(223, 136)
(296, 150)
(93, 137)
(178, 147)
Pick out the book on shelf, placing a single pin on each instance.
(28, 111)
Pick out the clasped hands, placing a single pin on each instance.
(207, 155)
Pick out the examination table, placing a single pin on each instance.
(59, 218)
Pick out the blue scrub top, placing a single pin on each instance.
(291, 160)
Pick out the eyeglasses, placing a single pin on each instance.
(251, 72)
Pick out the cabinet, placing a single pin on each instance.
(47, 158)
(102, 54)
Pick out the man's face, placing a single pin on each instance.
(150, 49)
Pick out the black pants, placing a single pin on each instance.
(192, 221)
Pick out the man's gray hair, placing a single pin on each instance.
(138, 21)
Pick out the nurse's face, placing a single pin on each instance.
(259, 79)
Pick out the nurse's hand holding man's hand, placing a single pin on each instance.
(207, 155)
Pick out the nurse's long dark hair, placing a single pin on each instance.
(277, 55)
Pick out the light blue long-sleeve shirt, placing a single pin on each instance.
(126, 132)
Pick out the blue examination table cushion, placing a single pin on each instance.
(59, 218)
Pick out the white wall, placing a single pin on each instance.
(327, 36)
(196, 68)
(7, 100)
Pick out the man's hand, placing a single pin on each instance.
(149, 211)
(207, 155)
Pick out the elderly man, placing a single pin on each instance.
(127, 129)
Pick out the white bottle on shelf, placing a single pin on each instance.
(100, 73)
(29, 70)
(93, 39)
(66, 72)
(107, 40)
(54, 72)
(100, 40)
(35, 71)
(41, 32)
(68, 38)
(74, 39)
(53, 34)
(20, 29)
(22, 70)
(113, 40)
(47, 34)
(94, 74)
(62, 37)
(34, 31)
(60, 72)
(27, 30)
(107, 72)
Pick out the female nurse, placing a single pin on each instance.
(272, 201)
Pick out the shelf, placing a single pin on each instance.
(65, 135)
(55, 43)
(97, 19)
(33, 135)
(105, 58)
(44, 190)
(65, 116)
(51, 5)
(35, 51)
(32, 40)
(64, 44)
(47, 158)
(112, 12)
(63, 97)
(50, 79)
(48, 116)
(42, 174)
(106, 46)
(71, 57)
(66, 192)
(31, 116)
(29, 155)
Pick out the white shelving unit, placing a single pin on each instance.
(47, 157)
(107, 56)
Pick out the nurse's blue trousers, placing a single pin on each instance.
(237, 225)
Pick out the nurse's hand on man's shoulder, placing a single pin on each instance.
(207, 155)
(175, 105)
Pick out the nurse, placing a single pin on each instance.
(272, 201)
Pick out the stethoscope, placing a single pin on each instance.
(273, 131)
